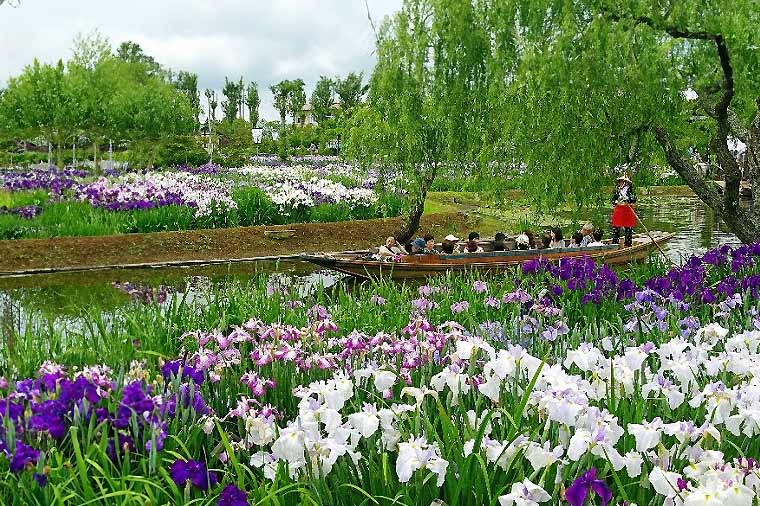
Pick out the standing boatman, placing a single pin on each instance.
(623, 215)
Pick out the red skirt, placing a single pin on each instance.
(623, 216)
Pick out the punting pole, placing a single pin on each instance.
(650, 236)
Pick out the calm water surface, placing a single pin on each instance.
(59, 299)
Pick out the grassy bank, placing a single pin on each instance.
(230, 243)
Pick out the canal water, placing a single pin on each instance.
(60, 298)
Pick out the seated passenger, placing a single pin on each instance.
(474, 236)
(587, 231)
(447, 247)
(498, 242)
(523, 242)
(430, 244)
(409, 248)
(576, 240)
(531, 239)
(418, 246)
(598, 234)
(557, 240)
(449, 244)
(390, 248)
(473, 247)
(546, 240)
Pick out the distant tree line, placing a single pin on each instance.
(128, 97)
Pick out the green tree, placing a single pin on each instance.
(98, 98)
(296, 100)
(187, 83)
(597, 84)
(350, 91)
(38, 103)
(90, 49)
(427, 95)
(253, 102)
(131, 52)
(233, 93)
(281, 92)
(322, 99)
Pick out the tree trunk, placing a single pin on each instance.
(411, 222)
(745, 223)
(752, 168)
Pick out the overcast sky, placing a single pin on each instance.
(264, 41)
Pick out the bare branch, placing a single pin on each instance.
(371, 22)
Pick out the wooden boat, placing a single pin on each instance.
(362, 265)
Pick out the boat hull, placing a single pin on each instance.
(423, 266)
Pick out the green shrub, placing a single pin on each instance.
(159, 219)
(181, 150)
(13, 227)
(325, 213)
(254, 207)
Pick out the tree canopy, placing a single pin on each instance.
(253, 102)
(233, 93)
(350, 90)
(95, 95)
(322, 99)
(575, 89)
(427, 96)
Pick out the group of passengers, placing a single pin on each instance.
(425, 245)
(551, 239)
(586, 237)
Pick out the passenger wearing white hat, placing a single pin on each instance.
(448, 244)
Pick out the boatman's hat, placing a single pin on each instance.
(624, 177)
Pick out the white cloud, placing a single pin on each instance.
(264, 41)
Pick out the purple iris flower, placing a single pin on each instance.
(190, 397)
(530, 267)
(134, 401)
(232, 496)
(125, 444)
(47, 417)
(194, 471)
(172, 368)
(708, 297)
(577, 493)
(23, 456)
(79, 389)
(13, 410)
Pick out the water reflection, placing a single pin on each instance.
(696, 226)
(61, 299)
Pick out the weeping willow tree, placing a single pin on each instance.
(573, 89)
(427, 96)
(601, 83)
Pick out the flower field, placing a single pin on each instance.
(560, 384)
(45, 202)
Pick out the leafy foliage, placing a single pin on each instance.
(253, 101)
(576, 90)
(322, 99)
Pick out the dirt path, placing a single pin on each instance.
(203, 245)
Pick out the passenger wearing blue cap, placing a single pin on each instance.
(418, 246)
